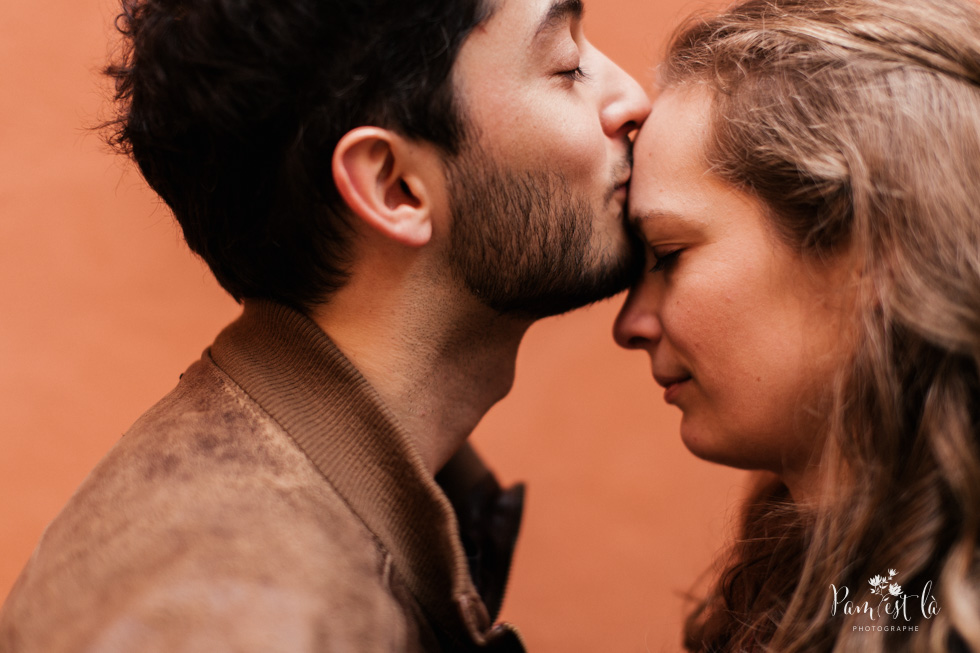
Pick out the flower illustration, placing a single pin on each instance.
(894, 589)
(892, 573)
(879, 584)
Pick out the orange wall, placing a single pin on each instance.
(101, 307)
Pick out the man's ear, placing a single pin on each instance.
(379, 175)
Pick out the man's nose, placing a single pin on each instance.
(625, 105)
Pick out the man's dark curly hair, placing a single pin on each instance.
(232, 110)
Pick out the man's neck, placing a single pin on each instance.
(439, 363)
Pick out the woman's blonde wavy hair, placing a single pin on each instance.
(857, 124)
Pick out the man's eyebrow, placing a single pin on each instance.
(560, 12)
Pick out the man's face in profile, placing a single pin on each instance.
(539, 189)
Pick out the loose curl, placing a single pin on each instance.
(857, 125)
(232, 110)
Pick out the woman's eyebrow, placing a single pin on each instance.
(638, 218)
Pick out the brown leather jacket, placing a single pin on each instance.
(269, 503)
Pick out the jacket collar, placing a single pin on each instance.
(292, 369)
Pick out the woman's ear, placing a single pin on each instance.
(378, 174)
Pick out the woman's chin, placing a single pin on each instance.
(716, 448)
(699, 441)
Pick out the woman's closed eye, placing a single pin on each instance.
(664, 261)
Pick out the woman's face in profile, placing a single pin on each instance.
(743, 333)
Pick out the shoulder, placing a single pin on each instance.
(204, 524)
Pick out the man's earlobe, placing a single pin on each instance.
(375, 172)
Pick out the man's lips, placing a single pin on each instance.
(621, 189)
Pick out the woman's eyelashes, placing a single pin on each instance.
(665, 261)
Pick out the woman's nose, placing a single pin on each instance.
(637, 326)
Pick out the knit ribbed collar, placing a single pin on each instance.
(292, 369)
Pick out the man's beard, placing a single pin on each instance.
(522, 241)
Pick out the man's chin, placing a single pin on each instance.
(576, 290)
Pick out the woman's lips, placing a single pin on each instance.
(672, 386)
